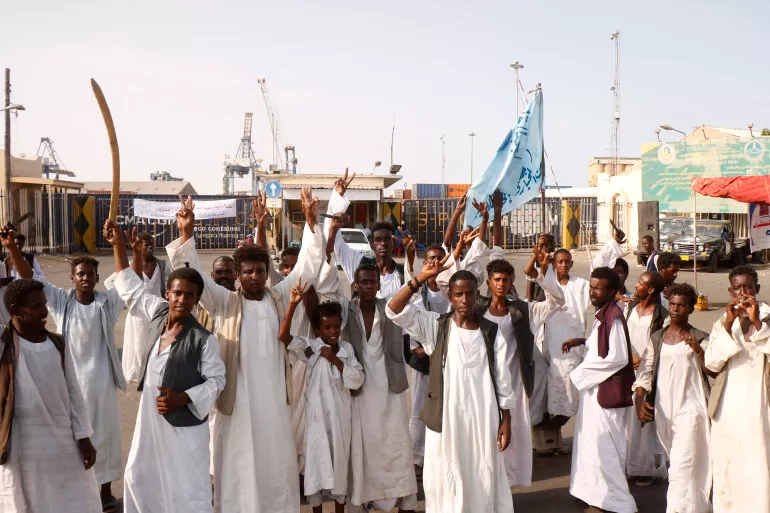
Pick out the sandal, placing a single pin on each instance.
(109, 504)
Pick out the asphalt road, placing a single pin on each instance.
(550, 488)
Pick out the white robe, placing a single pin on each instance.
(518, 455)
(437, 302)
(464, 469)
(682, 423)
(381, 461)
(569, 322)
(740, 430)
(328, 423)
(599, 448)
(645, 455)
(254, 456)
(136, 343)
(91, 359)
(44, 471)
(168, 467)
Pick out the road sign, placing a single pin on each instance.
(274, 203)
(273, 188)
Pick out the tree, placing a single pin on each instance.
(766, 132)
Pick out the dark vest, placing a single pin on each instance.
(525, 340)
(392, 341)
(432, 412)
(184, 358)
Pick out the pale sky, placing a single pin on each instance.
(179, 76)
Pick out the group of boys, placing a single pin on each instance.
(284, 387)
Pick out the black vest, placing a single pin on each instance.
(525, 340)
(182, 367)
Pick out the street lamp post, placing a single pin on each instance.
(516, 67)
(8, 108)
(694, 219)
(471, 135)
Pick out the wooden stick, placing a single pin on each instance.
(113, 149)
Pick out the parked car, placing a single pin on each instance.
(356, 239)
(669, 228)
(716, 242)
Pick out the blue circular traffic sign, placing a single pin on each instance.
(273, 188)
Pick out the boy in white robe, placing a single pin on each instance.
(470, 379)
(738, 406)
(252, 471)
(570, 322)
(507, 312)
(672, 387)
(168, 465)
(46, 456)
(332, 372)
(598, 475)
(87, 318)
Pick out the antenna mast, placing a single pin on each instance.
(616, 107)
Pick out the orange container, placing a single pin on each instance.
(457, 190)
(407, 194)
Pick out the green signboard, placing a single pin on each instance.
(668, 167)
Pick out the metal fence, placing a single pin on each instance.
(427, 221)
(49, 225)
(209, 233)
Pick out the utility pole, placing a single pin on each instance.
(443, 160)
(516, 67)
(616, 107)
(471, 135)
(7, 202)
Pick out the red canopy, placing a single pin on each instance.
(746, 189)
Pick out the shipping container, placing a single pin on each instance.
(457, 190)
(429, 190)
(407, 194)
(427, 220)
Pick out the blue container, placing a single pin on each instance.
(429, 190)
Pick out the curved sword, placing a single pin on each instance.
(113, 149)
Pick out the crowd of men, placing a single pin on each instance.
(263, 388)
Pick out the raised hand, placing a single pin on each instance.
(497, 201)
(461, 204)
(732, 311)
(342, 184)
(133, 240)
(310, 207)
(431, 269)
(185, 217)
(619, 235)
(259, 208)
(8, 236)
(297, 292)
(483, 208)
(752, 309)
(112, 233)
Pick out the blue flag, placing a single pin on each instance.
(516, 167)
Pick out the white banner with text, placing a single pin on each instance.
(215, 209)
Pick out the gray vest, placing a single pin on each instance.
(182, 367)
(392, 341)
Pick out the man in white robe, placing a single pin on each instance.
(168, 465)
(598, 475)
(135, 339)
(739, 350)
(87, 318)
(46, 457)
(464, 464)
(255, 459)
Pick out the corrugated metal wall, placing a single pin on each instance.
(427, 220)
